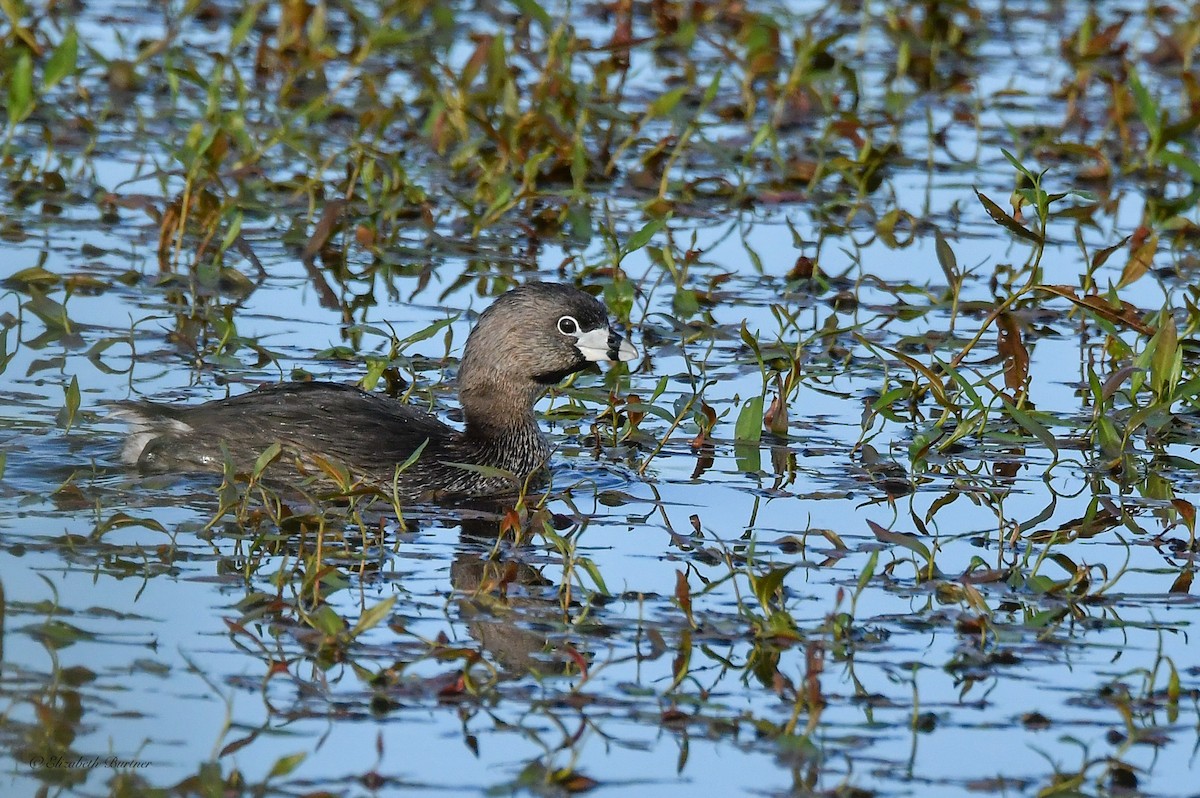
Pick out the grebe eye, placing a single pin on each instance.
(568, 326)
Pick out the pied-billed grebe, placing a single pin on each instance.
(528, 340)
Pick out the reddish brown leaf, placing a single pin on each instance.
(1102, 256)
(635, 416)
(1140, 259)
(776, 417)
(622, 34)
(325, 229)
(579, 661)
(710, 417)
(683, 593)
(238, 744)
(1121, 312)
(577, 782)
(1187, 511)
(1182, 583)
(1012, 349)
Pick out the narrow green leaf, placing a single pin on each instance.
(1109, 438)
(905, 540)
(590, 568)
(20, 89)
(1045, 617)
(1007, 222)
(683, 660)
(868, 571)
(962, 382)
(1032, 426)
(5, 355)
(62, 62)
(375, 368)
(535, 10)
(242, 29)
(487, 471)
(412, 458)
(642, 237)
(231, 235)
(1020, 167)
(66, 416)
(265, 459)
(1147, 108)
(714, 86)
(750, 341)
(666, 103)
(120, 520)
(1166, 359)
(286, 764)
(427, 333)
(946, 259)
(372, 616)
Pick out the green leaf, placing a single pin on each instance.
(375, 368)
(20, 89)
(53, 314)
(231, 235)
(1032, 426)
(747, 457)
(35, 275)
(1007, 222)
(946, 259)
(286, 764)
(119, 520)
(962, 382)
(749, 424)
(57, 634)
(1020, 167)
(535, 10)
(427, 333)
(326, 621)
(905, 540)
(5, 355)
(768, 584)
(412, 458)
(487, 471)
(666, 103)
(371, 617)
(590, 567)
(750, 341)
(265, 459)
(1109, 438)
(62, 62)
(685, 303)
(642, 237)
(868, 571)
(1045, 617)
(242, 29)
(714, 86)
(1147, 108)
(66, 416)
(1166, 358)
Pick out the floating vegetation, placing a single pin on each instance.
(901, 498)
